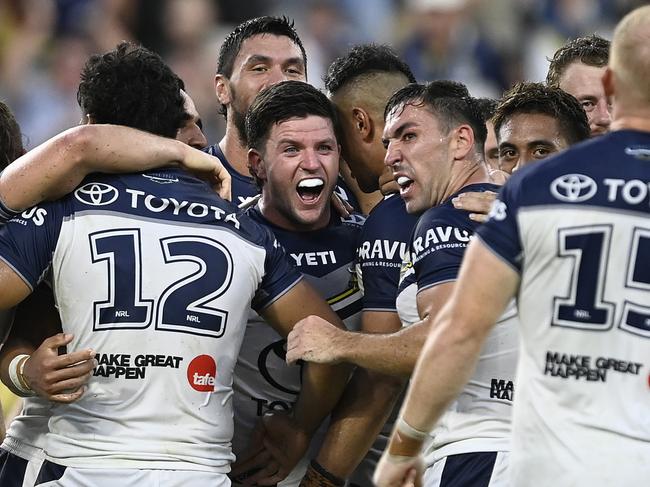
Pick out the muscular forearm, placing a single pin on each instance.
(446, 364)
(391, 354)
(357, 420)
(57, 166)
(322, 387)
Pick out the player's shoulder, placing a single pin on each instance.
(584, 173)
(389, 216)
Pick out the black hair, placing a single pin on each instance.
(590, 50)
(487, 107)
(449, 101)
(132, 86)
(278, 26)
(11, 142)
(281, 102)
(363, 59)
(544, 100)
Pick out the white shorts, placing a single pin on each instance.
(477, 469)
(53, 475)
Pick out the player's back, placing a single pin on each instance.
(156, 274)
(583, 391)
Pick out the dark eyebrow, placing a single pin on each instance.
(400, 130)
(534, 143)
(506, 145)
(257, 58)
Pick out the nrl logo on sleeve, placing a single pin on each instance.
(96, 194)
(574, 188)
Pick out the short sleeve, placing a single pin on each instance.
(28, 241)
(437, 249)
(279, 274)
(501, 233)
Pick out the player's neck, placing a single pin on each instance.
(470, 172)
(631, 122)
(234, 150)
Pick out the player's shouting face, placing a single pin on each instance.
(418, 154)
(299, 168)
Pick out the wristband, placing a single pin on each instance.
(322, 476)
(16, 367)
(409, 430)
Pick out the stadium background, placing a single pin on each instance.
(487, 44)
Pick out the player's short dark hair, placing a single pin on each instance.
(540, 99)
(487, 107)
(590, 50)
(132, 86)
(11, 141)
(363, 59)
(282, 102)
(449, 101)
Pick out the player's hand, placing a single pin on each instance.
(58, 378)
(342, 207)
(398, 471)
(283, 444)
(387, 183)
(208, 167)
(315, 340)
(479, 203)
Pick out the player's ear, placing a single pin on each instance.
(461, 141)
(362, 123)
(256, 164)
(222, 89)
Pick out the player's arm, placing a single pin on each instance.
(322, 385)
(484, 288)
(362, 412)
(57, 166)
(29, 359)
(315, 340)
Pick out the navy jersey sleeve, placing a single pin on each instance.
(6, 213)
(28, 241)
(501, 233)
(279, 274)
(438, 245)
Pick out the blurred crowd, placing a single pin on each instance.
(488, 44)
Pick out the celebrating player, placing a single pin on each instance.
(570, 238)
(156, 273)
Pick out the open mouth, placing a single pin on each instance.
(310, 189)
(404, 182)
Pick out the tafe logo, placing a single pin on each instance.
(96, 194)
(202, 373)
(573, 188)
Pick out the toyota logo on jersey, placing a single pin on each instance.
(202, 373)
(96, 194)
(573, 188)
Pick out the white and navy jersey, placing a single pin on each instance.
(479, 419)
(155, 273)
(383, 247)
(263, 380)
(26, 433)
(244, 189)
(577, 229)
